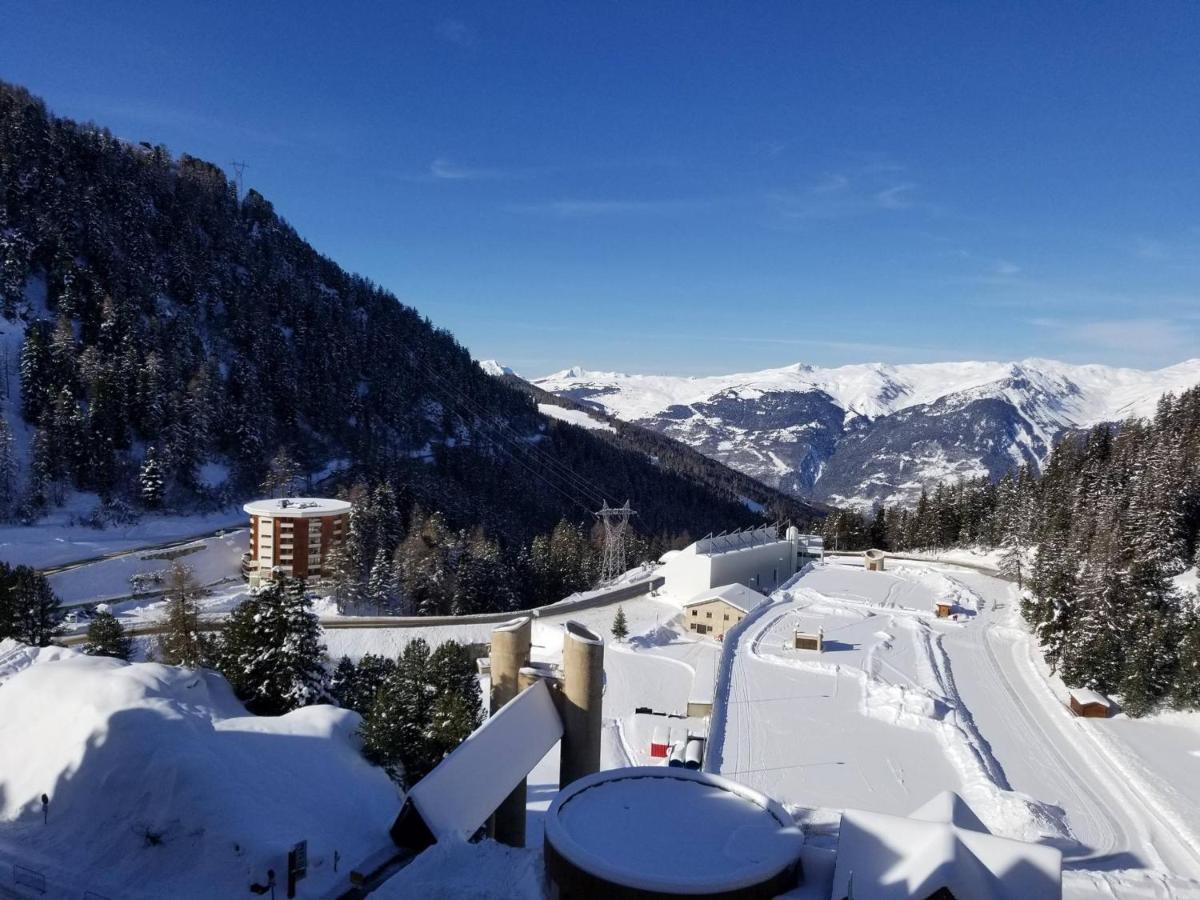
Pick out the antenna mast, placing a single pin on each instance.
(239, 168)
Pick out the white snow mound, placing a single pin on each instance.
(161, 784)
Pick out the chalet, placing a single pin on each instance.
(810, 640)
(1090, 704)
(715, 612)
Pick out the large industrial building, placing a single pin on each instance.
(294, 535)
(756, 558)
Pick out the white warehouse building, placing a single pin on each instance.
(756, 558)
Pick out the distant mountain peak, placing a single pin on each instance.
(878, 431)
(494, 368)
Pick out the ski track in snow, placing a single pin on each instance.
(998, 724)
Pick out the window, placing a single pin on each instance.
(708, 615)
(726, 617)
(695, 612)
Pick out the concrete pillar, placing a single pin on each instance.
(583, 683)
(509, 655)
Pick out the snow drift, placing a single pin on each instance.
(161, 784)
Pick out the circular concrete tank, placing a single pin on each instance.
(665, 832)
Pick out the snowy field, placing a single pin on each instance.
(902, 705)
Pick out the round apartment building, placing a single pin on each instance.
(294, 535)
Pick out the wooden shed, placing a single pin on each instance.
(944, 608)
(1090, 704)
(873, 560)
(810, 640)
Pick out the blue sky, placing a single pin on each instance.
(694, 187)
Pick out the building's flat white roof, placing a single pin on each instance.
(671, 830)
(1087, 695)
(736, 595)
(296, 507)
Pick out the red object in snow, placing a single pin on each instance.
(660, 743)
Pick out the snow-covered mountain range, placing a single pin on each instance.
(865, 433)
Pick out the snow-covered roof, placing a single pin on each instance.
(457, 797)
(296, 507)
(1086, 696)
(941, 845)
(736, 595)
(671, 830)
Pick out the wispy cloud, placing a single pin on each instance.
(874, 187)
(447, 170)
(1136, 335)
(569, 208)
(898, 196)
(456, 31)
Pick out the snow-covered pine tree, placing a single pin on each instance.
(396, 730)
(150, 480)
(272, 652)
(369, 675)
(458, 705)
(34, 615)
(1185, 692)
(381, 587)
(106, 637)
(620, 627)
(8, 469)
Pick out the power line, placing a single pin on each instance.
(616, 523)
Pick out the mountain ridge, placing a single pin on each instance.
(793, 427)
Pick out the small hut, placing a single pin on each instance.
(1090, 704)
(944, 609)
(810, 640)
(873, 560)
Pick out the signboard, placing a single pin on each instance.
(297, 866)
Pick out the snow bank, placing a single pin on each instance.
(451, 870)
(160, 784)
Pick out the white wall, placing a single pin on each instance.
(763, 568)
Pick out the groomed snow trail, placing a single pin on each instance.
(1045, 751)
(866, 724)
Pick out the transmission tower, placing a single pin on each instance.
(616, 524)
(239, 168)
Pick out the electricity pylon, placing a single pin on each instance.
(616, 524)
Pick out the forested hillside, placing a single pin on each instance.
(174, 338)
(1097, 539)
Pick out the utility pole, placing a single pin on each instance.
(616, 524)
(239, 168)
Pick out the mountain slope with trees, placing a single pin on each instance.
(172, 338)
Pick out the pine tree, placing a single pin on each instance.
(33, 613)
(620, 628)
(272, 652)
(106, 637)
(396, 732)
(381, 586)
(150, 479)
(355, 687)
(183, 641)
(1185, 692)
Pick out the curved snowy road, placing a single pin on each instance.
(1043, 750)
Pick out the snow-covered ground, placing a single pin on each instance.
(902, 705)
(574, 417)
(160, 784)
(212, 560)
(60, 538)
